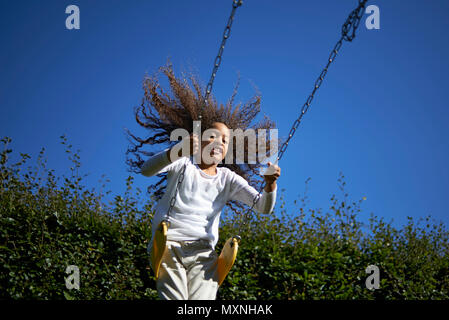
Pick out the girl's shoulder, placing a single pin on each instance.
(177, 164)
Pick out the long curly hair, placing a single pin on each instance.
(161, 113)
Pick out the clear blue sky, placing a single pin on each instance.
(381, 117)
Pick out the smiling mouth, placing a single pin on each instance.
(216, 151)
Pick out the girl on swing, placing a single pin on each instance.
(188, 269)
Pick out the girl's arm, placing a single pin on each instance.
(156, 164)
(168, 159)
(243, 192)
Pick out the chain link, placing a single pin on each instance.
(217, 62)
(348, 34)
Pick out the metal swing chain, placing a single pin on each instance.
(217, 62)
(348, 34)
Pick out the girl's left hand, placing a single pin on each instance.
(272, 174)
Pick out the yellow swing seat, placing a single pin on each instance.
(159, 245)
(227, 258)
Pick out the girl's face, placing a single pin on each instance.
(215, 144)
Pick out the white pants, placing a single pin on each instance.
(188, 271)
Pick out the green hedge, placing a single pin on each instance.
(47, 224)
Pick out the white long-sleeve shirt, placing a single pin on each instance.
(200, 199)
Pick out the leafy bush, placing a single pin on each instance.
(46, 226)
